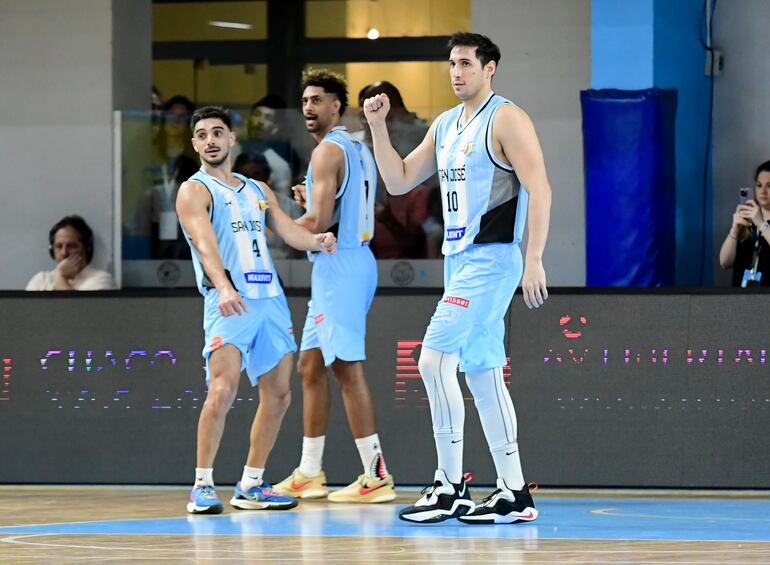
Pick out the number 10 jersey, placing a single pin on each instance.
(482, 198)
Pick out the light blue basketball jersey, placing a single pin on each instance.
(353, 215)
(238, 217)
(482, 198)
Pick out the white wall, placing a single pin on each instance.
(546, 62)
(741, 108)
(55, 128)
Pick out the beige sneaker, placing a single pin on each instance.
(366, 490)
(298, 485)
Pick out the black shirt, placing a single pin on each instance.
(744, 255)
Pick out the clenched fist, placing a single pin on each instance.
(376, 109)
(327, 243)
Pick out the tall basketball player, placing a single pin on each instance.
(246, 319)
(339, 196)
(492, 173)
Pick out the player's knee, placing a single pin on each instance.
(429, 362)
(477, 390)
(283, 400)
(308, 370)
(348, 374)
(221, 395)
(278, 400)
(482, 385)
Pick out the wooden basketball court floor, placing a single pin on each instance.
(64, 524)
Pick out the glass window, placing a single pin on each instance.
(230, 85)
(209, 21)
(424, 86)
(391, 18)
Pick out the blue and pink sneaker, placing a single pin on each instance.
(261, 497)
(203, 500)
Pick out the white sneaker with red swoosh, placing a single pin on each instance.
(503, 506)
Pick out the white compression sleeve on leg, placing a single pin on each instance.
(439, 374)
(498, 419)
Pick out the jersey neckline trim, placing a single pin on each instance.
(482, 106)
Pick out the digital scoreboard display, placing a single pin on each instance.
(609, 390)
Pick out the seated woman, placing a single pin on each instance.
(746, 249)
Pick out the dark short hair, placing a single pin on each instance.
(179, 100)
(763, 168)
(270, 101)
(212, 112)
(251, 158)
(332, 83)
(79, 225)
(486, 51)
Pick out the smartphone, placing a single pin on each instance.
(745, 194)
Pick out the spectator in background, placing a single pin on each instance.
(398, 231)
(156, 115)
(256, 167)
(253, 166)
(167, 240)
(155, 216)
(746, 248)
(265, 135)
(71, 245)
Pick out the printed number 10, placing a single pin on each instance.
(451, 201)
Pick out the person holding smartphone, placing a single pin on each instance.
(746, 248)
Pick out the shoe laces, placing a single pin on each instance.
(488, 499)
(267, 490)
(208, 491)
(428, 490)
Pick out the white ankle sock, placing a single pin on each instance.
(204, 476)
(312, 455)
(252, 477)
(370, 451)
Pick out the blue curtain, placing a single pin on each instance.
(630, 183)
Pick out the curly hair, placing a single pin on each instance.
(332, 83)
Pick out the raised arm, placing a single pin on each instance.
(514, 137)
(294, 234)
(400, 176)
(192, 206)
(328, 162)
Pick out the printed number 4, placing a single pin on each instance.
(255, 248)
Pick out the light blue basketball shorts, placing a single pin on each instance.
(342, 287)
(263, 335)
(479, 283)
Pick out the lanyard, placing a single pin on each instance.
(757, 249)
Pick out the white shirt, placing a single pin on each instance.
(87, 279)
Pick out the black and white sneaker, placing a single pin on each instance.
(503, 506)
(441, 501)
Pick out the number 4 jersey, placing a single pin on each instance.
(482, 198)
(238, 217)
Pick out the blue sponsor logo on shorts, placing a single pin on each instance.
(455, 234)
(259, 277)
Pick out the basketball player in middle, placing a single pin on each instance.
(339, 197)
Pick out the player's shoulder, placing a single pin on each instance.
(327, 149)
(192, 184)
(509, 110)
(509, 117)
(195, 191)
